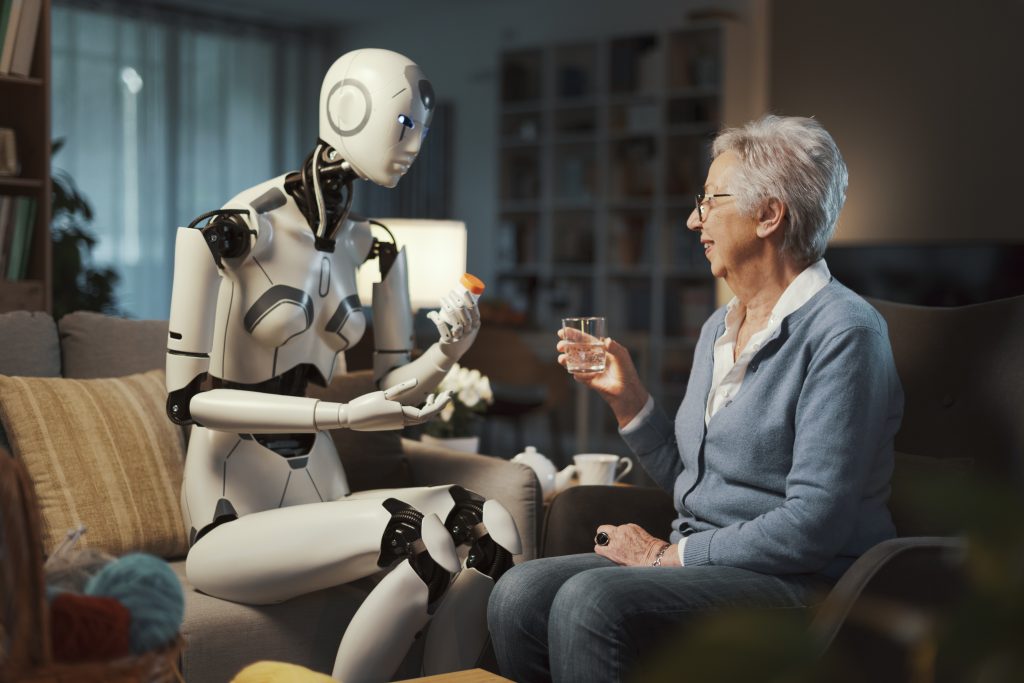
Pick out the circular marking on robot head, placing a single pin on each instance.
(349, 87)
(426, 94)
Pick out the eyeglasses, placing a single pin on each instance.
(703, 199)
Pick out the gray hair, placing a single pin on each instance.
(795, 160)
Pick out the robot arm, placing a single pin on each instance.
(457, 323)
(248, 412)
(194, 302)
(190, 331)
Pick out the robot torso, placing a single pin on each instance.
(285, 303)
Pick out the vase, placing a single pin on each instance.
(466, 444)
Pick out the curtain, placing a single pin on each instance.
(166, 117)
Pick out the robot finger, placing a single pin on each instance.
(440, 401)
(465, 315)
(413, 416)
(400, 388)
(432, 408)
(441, 325)
(458, 311)
(473, 310)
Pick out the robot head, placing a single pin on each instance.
(375, 109)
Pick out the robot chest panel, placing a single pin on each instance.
(302, 300)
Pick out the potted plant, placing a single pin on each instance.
(458, 425)
(77, 284)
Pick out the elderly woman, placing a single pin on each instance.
(780, 455)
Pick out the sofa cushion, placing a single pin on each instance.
(96, 345)
(221, 637)
(28, 345)
(372, 460)
(102, 453)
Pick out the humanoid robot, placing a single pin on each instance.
(264, 301)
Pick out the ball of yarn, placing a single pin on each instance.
(87, 627)
(147, 586)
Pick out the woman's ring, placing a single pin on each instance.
(601, 538)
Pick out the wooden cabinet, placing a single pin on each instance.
(25, 107)
(604, 145)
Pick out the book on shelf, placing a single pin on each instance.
(20, 226)
(8, 29)
(6, 213)
(8, 152)
(25, 41)
(19, 29)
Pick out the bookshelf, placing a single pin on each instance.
(604, 144)
(25, 107)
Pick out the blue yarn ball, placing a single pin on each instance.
(150, 591)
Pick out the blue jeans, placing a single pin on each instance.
(584, 618)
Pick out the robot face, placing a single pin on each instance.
(375, 109)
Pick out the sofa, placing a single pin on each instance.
(81, 402)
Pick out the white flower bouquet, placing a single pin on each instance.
(471, 394)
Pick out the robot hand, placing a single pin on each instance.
(457, 323)
(381, 410)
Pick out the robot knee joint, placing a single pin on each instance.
(465, 524)
(402, 539)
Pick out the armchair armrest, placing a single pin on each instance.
(575, 513)
(918, 572)
(515, 486)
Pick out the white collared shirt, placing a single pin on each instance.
(728, 374)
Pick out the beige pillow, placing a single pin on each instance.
(100, 452)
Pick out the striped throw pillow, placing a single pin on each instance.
(101, 452)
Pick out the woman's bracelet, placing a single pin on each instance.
(661, 554)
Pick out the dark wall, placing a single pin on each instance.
(926, 101)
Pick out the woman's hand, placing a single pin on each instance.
(619, 385)
(631, 546)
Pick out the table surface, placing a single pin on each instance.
(468, 676)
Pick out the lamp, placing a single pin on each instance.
(436, 252)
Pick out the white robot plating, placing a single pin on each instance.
(264, 301)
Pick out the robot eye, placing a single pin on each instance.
(406, 121)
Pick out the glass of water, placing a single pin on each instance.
(585, 337)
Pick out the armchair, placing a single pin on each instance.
(962, 373)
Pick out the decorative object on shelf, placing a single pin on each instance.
(461, 418)
(77, 285)
(8, 152)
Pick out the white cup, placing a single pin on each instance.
(601, 468)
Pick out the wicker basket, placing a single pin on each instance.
(25, 652)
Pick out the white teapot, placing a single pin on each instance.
(551, 480)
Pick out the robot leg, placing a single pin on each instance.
(458, 631)
(399, 606)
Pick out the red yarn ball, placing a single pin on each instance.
(88, 628)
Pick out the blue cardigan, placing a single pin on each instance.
(792, 475)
